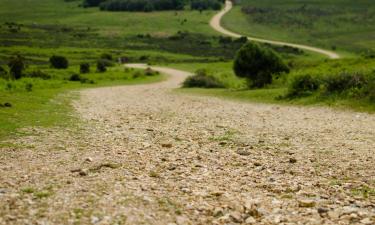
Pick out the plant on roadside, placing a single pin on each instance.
(258, 64)
(202, 80)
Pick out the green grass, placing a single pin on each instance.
(108, 24)
(345, 24)
(49, 103)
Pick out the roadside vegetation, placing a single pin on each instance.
(344, 83)
(37, 95)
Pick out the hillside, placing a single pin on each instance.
(342, 25)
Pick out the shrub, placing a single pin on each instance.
(150, 72)
(205, 4)
(84, 68)
(302, 85)
(28, 87)
(92, 3)
(202, 80)
(75, 77)
(39, 74)
(257, 64)
(344, 81)
(59, 62)
(16, 66)
(3, 73)
(101, 66)
(106, 56)
(142, 5)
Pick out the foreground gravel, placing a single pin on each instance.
(146, 155)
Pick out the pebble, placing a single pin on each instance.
(306, 203)
(243, 152)
(166, 145)
(250, 220)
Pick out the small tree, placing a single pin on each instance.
(257, 64)
(84, 68)
(16, 66)
(59, 62)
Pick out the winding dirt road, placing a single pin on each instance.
(215, 23)
(146, 155)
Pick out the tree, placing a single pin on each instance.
(59, 62)
(16, 66)
(257, 64)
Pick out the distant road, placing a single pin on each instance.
(215, 23)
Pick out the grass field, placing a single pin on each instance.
(59, 12)
(342, 25)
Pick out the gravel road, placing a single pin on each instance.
(147, 155)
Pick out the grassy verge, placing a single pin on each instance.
(49, 103)
(235, 88)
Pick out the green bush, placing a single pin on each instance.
(150, 72)
(3, 73)
(302, 85)
(205, 4)
(75, 77)
(202, 80)
(92, 3)
(16, 66)
(59, 62)
(84, 68)
(258, 64)
(106, 56)
(101, 66)
(142, 5)
(357, 85)
(344, 81)
(39, 74)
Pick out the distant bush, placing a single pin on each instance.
(3, 73)
(92, 3)
(75, 77)
(59, 62)
(39, 74)
(28, 87)
(205, 4)
(150, 72)
(84, 68)
(202, 80)
(101, 66)
(302, 85)
(106, 56)
(344, 81)
(16, 66)
(142, 5)
(257, 64)
(345, 84)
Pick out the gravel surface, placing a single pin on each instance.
(147, 155)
